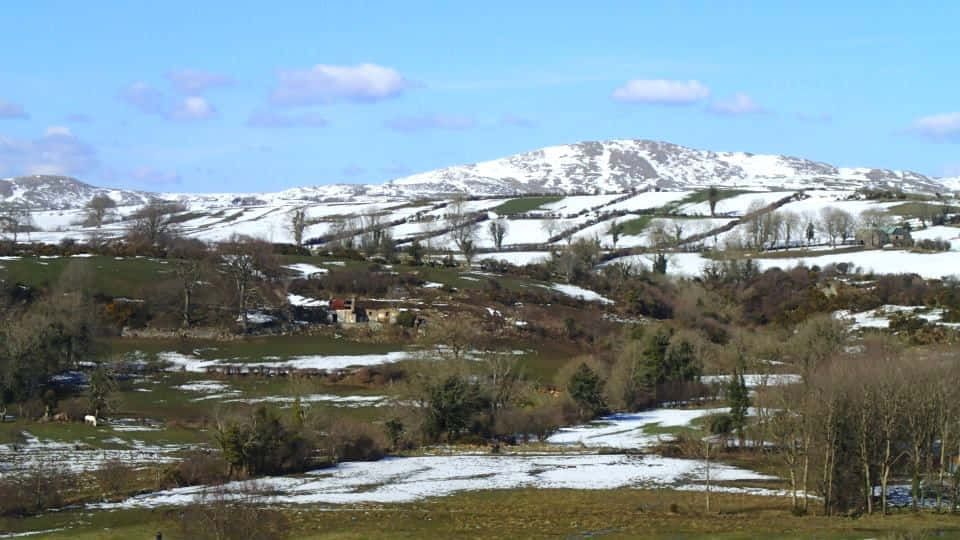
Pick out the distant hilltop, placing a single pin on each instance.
(586, 167)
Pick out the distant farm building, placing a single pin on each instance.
(874, 237)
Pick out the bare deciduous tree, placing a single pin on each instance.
(246, 262)
(98, 209)
(298, 224)
(498, 231)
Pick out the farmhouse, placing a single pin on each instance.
(874, 237)
(349, 311)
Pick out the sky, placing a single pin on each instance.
(262, 96)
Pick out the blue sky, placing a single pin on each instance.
(248, 96)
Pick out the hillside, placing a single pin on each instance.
(586, 167)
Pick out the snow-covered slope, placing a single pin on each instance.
(47, 192)
(587, 167)
(622, 165)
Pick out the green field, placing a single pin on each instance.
(525, 204)
(529, 513)
(635, 226)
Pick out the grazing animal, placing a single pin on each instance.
(61, 417)
(90, 419)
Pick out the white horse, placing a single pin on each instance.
(90, 419)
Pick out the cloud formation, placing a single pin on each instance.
(661, 92)
(273, 119)
(144, 98)
(739, 104)
(195, 81)
(324, 83)
(937, 127)
(149, 100)
(12, 110)
(430, 122)
(193, 108)
(56, 152)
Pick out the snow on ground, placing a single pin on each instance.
(307, 271)
(76, 456)
(648, 200)
(297, 300)
(198, 365)
(205, 387)
(939, 232)
(578, 203)
(927, 265)
(736, 205)
(332, 399)
(580, 292)
(880, 317)
(753, 380)
(626, 431)
(518, 258)
(398, 480)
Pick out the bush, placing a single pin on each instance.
(198, 467)
(41, 488)
(927, 244)
(531, 422)
(351, 440)
(407, 319)
(222, 515)
(719, 424)
(262, 444)
(115, 478)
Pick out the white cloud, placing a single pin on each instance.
(149, 100)
(193, 108)
(661, 92)
(196, 81)
(430, 122)
(53, 153)
(12, 110)
(58, 130)
(144, 98)
(740, 103)
(324, 83)
(938, 127)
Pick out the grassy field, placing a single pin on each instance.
(525, 204)
(128, 277)
(636, 226)
(915, 209)
(531, 513)
(704, 195)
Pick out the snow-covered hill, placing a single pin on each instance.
(45, 192)
(587, 167)
(622, 165)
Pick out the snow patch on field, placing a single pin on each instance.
(77, 457)
(626, 431)
(198, 365)
(307, 271)
(880, 317)
(344, 401)
(581, 293)
(204, 387)
(752, 380)
(303, 301)
(398, 480)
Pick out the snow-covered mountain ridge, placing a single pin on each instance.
(586, 167)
